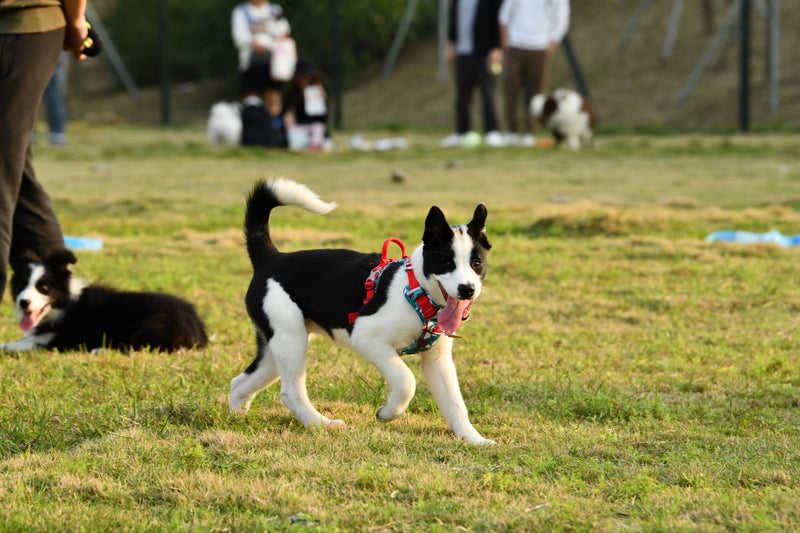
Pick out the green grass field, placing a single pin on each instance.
(634, 376)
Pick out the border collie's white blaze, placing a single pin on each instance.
(312, 291)
(58, 311)
(31, 303)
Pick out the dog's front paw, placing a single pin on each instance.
(482, 442)
(239, 406)
(327, 423)
(22, 345)
(384, 415)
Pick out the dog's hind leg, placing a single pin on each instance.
(440, 374)
(288, 345)
(261, 373)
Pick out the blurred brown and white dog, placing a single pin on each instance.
(568, 116)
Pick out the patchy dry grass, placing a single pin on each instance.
(634, 376)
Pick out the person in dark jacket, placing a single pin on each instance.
(32, 35)
(474, 46)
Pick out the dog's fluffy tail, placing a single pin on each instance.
(267, 195)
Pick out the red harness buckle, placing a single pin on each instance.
(371, 280)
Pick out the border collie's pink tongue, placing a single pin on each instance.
(27, 322)
(451, 314)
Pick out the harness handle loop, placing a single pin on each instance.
(385, 251)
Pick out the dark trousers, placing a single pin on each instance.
(27, 219)
(526, 72)
(471, 72)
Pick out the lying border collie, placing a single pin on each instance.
(322, 291)
(61, 312)
(567, 115)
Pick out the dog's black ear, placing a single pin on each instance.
(437, 230)
(61, 260)
(19, 261)
(477, 226)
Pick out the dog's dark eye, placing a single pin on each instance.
(44, 288)
(477, 263)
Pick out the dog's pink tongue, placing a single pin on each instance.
(450, 316)
(27, 322)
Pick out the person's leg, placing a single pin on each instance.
(488, 85)
(536, 62)
(27, 219)
(511, 84)
(36, 226)
(466, 78)
(55, 106)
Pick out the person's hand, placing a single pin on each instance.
(75, 37)
(449, 53)
(552, 48)
(496, 55)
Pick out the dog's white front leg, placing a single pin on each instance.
(402, 386)
(440, 374)
(398, 376)
(574, 142)
(25, 344)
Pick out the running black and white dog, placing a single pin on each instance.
(61, 312)
(313, 291)
(568, 116)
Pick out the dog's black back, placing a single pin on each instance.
(105, 318)
(341, 280)
(341, 283)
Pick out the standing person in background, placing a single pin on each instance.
(530, 31)
(474, 45)
(55, 104)
(32, 35)
(255, 25)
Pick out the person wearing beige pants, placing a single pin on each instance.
(530, 31)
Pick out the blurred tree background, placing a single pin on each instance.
(200, 34)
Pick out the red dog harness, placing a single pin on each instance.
(426, 308)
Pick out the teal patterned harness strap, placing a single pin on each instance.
(415, 296)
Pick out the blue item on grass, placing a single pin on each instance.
(747, 237)
(83, 243)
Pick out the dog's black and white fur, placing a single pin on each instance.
(312, 291)
(61, 312)
(568, 116)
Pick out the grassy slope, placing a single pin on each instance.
(630, 89)
(633, 375)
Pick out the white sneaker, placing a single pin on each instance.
(510, 139)
(452, 140)
(528, 140)
(494, 139)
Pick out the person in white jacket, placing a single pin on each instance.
(530, 31)
(255, 25)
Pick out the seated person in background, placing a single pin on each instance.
(256, 25)
(307, 109)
